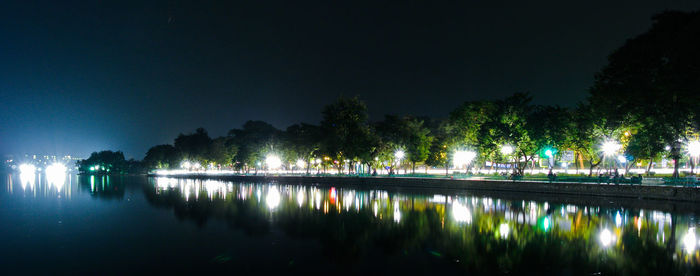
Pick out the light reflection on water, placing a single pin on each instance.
(605, 232)
(475, 233)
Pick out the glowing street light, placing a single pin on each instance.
(56, 174)
(611, 148)
(27, 169)
(462, 158)
(399, 154)
(273, 161)
(506, 149)
(548, 153)
(621, 159)
(694, 148)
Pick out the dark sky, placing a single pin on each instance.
(77, 77)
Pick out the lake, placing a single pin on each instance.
(136, 224)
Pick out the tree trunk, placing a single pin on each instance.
(651, 161)
(414, 168)
(675, 167)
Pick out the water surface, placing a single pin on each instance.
(117, 225)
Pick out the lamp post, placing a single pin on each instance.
(399, 155)
(610, 148)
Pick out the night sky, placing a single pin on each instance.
(83, 76)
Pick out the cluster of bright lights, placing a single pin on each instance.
(56, 169)
(462, 158)
(301, 163)
(27, 169)
(273, 162)
(399, 154)
(506, 149)
(611, 148)
(694, 148)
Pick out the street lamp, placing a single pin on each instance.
(399, 154)
(694, 148)
(463, 158)
(506, 149)
(610, 148)
(273, 161)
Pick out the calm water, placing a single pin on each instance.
(117, 225)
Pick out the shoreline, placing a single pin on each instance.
(665, 197)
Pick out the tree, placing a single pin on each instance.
(440, 147)
(161, 157)
(347, 134)
(106, 161)
(546, 127)
(510, 127)
(653, 80)
(195, 146)
(254, 141)
(417, 141)
(303, 141)
(222, 151)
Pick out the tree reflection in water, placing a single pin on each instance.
(475, 234)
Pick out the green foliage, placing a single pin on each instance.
(653, 80)
(347, 134)
(162, 157)
(108, 162)
(254, 141)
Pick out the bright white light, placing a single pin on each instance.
(548, 153)
(504, 230)
(694, 148)
(27, 176)
(300, 197)
(462, 158)
(506, 149)
(618, 219)
(56, 168)
(186, 165)
(56, 174)
(611, 147)
(461, 213)
(273, 161)
(690, 241)
(667, 148)
(397, 212)
(606, 238)
(273, 198)
(621, 159)
(301, 163)
(545, 223)
(399, 154)
(27, 169)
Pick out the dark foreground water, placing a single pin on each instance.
(117, 225)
